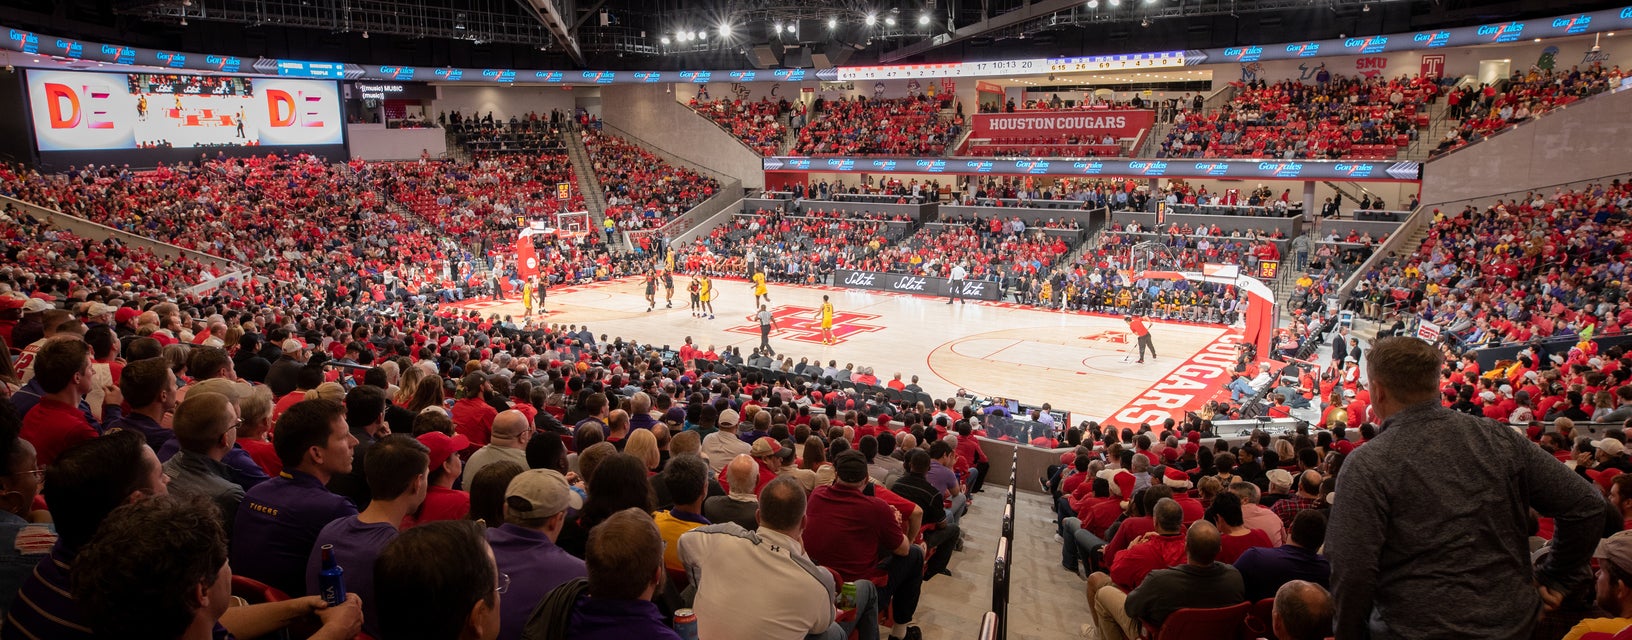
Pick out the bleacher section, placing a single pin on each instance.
(1353, 118)
(862, 126)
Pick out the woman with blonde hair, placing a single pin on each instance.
(642, 444)
(408, 386)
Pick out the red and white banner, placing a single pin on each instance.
(1029, 124)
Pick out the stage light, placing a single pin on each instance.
(1093, 4)
(872, 19)
(725, 30)
(1150, 1)
(702, 35)
(923, 19)
(665, 40)
(889, 20)
(776, 27)
(832, 23)
(1115, 3)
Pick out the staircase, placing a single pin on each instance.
(1153, 140)
(1439, 123)
(588, 184)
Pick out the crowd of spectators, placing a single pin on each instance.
(859, 126)
(1489, 108)
(757, 124)
(801, 246)
(983, 253)
(642, 190)
(528, 134)
(1363, 118)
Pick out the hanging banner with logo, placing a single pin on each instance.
(1125, 123)
(923, 285)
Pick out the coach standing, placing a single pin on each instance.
(1437, 509)
(1142, 332)
(954, 283)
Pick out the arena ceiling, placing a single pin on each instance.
(733, 33)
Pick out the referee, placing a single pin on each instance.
(954, 283)
(1137, 326)
(766, 323)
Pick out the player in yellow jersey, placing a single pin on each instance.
(826, 316)
(527, 298)
(759, 287)
(705, 294)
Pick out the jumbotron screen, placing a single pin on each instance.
(76, 111)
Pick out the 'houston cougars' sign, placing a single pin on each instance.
(1031, 124)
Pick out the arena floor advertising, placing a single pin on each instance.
(1082, 363)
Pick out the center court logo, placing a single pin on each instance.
(800, 324)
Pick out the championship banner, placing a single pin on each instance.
(1124, 123)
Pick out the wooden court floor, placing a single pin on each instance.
(1082, 363)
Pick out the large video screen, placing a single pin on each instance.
(164, 116)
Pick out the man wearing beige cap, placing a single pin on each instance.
(1613, 587)
(720, 447)
(536, 505)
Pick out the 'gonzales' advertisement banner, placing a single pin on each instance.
(1031, 124)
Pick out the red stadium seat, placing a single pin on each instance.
(255, 591)
(1201, 624)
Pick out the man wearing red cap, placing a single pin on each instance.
(442, 501)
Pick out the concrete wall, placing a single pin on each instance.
(650, 113)
(375, 142)
(503, 101)
(1586, 140)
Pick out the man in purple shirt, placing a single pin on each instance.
(535, 508)
(279, 519)
(625, 561)
(942, 458)
(1265, 569)
(438, 580)
(396, 472)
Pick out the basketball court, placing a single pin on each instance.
(1080, 362)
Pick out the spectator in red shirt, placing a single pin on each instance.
(848, 530)
(1158, 549)
(472, 415)
(63, 367)
(442, 501)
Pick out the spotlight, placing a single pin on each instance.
(1115, 3)
(832, 23)
(889, 20)
(872, 19)
(665, 40)
(702, 35)
(725, 30)
(923, 19)
(776, 27)
(1150, 1)
(1093, 4)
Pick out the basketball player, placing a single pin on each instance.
(826, 316)
(141, 106)
(705, 293)
(668, 287)
(759, 287)
(540, 285)
(651, 290)
(1137, 326)
(527, 298)
(694, 288)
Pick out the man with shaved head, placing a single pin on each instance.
(1303, 611)
(511, 431)
(1200, 583)
(740, 504)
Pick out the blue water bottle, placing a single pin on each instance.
(331, 581)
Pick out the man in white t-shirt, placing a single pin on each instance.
(720, 447)
(761, 584)
(955, 282)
